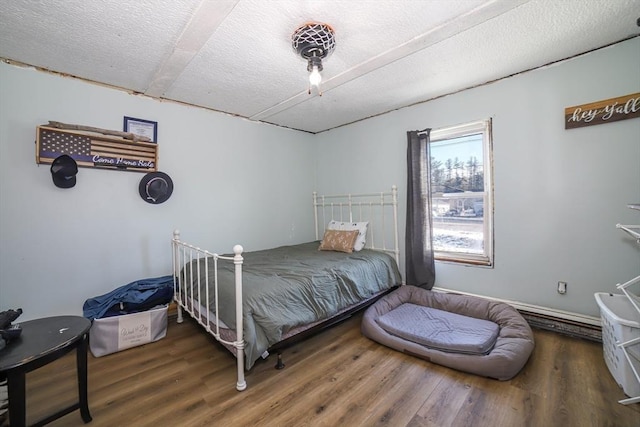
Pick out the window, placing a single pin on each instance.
(461, 193)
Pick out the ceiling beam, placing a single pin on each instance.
(204, 22)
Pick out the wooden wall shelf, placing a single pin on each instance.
(94, 150)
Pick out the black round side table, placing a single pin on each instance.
(42, 341)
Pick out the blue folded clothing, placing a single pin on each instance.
(134, 297)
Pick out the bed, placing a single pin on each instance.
(258, 302)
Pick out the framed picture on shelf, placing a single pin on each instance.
(141, 127)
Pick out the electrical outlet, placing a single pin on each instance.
(562, 288)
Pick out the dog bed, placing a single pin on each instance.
(463, 338)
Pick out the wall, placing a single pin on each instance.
(558, 193)
(59, 247)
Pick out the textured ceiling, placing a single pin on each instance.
(235, 56)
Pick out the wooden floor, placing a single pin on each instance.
(338, 378)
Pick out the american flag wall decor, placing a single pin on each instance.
(91, 150)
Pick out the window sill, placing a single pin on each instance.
(468, 260)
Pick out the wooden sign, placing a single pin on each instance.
(597, 113)
(90, 150)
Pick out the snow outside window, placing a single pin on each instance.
(462, 193)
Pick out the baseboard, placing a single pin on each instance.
(564, 322)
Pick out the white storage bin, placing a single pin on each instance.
(620, 323)
(111, 334)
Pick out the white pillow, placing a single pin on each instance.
(350, 226)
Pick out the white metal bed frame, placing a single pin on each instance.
(371, 207)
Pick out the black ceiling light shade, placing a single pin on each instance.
(314, 41)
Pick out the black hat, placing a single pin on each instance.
(155, 187)
(63, 171)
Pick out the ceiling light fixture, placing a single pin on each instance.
(314, 41)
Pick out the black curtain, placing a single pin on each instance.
(419, 263)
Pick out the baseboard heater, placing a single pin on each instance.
(563, 322)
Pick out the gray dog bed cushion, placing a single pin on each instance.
(440, 329)
(509, 354)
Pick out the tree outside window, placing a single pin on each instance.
(461, 193)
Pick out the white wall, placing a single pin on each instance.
(558, 193)
(235, 182)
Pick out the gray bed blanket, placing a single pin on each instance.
(296, 285)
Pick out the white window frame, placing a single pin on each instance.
(484, 127)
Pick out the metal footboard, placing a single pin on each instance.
(188, 297)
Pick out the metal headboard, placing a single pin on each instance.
(379, 209)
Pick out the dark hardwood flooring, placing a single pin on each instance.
(337, 378)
